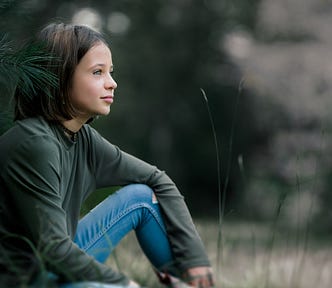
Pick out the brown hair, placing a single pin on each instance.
(67, 44)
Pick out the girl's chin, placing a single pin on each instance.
(88, 116)
(104, 113)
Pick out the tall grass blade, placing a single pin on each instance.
(298, 273)
(220, 207)
(222, 193)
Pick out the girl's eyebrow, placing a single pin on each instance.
(102, 65)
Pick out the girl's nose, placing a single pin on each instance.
(110, 83)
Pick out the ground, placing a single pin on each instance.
(252, 256)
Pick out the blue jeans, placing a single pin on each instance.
(131, 208)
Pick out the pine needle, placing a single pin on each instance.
(23, 69)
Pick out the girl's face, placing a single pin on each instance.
(93, 85)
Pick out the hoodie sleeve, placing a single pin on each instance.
(123, 169)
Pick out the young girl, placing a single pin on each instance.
(51, 161)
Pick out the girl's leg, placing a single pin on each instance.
(132, 207)
(92, 285)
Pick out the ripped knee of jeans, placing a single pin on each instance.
(154, 199)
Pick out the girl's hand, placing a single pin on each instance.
(200, 277)
(133, 284)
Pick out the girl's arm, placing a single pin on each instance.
(115, 167)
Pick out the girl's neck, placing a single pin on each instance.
(71, 128)
(73, 124)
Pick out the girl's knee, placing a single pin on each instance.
(142, 188)
(140, 192)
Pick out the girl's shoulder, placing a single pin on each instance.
(28, 127)
(34, 126)
(34, 135)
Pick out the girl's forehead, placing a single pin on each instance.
(100, 48)
(98, 52)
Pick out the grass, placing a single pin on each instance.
(249, 261)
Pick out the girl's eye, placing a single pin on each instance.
(112, 73)
(97, 72)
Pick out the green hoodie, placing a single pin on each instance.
(44, 179)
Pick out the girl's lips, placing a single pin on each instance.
(108, 99)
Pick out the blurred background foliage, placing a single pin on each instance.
(273, 133)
